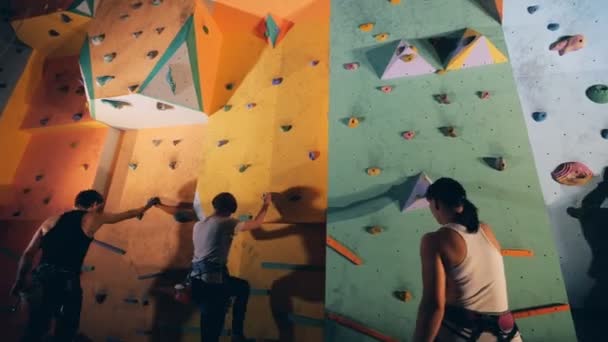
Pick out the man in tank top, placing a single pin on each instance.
(55, 290)
(212, 285)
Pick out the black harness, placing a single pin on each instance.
(502, 326)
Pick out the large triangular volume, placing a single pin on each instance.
(478, 52)
(493, 7)
(408, 59)
(417, 194)
(83, 7)
(175, 77)
(273, 29)
(86, 70)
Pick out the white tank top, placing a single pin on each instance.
(479, 280)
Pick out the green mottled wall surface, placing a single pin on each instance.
(510, 201)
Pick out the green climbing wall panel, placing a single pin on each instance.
(510, 201)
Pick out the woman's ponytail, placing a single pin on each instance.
(468, 217)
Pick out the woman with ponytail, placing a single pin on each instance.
(464, 287)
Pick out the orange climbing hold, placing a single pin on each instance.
(353, 122)
(375, 230)
(540, 310)
(341, 249)
(374, 171)
(517, 252)
(381, 36)
(366, 27)
(394, 2)
(405, 296)
(360, 328)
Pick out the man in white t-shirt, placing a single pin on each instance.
(212, 286)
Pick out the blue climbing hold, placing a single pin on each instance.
(539, 116)
(532, 9)
(605, 133)
(553, 27)
(277, 81)
(222, 142)
(77, 117)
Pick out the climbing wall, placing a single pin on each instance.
(572, 128)
(272, 137)
(465, 123)
(140, 261)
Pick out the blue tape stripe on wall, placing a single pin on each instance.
(293, 267)
(109, 247)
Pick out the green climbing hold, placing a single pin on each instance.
(286, 128)
(244, 167)
(115, 103)
(227, 108)
(170, 80)
(103, 80)
(598, 93)
(272, 30)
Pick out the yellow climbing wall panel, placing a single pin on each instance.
(272, 129)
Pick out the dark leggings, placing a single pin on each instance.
(213, 300)
(57, 298)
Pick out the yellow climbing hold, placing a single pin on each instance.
(381, 37)
(353, 122)
(408, 58)
(394, 2)
(374, 171)
(375, 230)
(366, 27)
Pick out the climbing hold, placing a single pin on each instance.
(229, 86)
(286, 128)
(351, 66)
(532, 9)
(100, 297)
(394, 2)
(156, 142)
(136, 5)
(405, 296)
(497, 163)
(251, 105)
(604, 133)
(277, 81)
(572, 173)
(39, 177)
(448, 131)
(353, 122)
(16, 213)
(170, 81)
(173, 165)
(366, 27)
(131, 300)
(314, 62)
(244, 167)
(227, 108)
(381, 37)
(85, 166)
(484, 95)
(44, 121)
(568, 44)
(53, 33)
(539, 116)
(27, 190)
(124, 16)
(417, 193)
(441, 71)
(245, 217)
(314, 155)
(74, 144)
(205, 29)
(553, 27)
(222, 142)
(46, 200)
(65, 18)
(163, 106)
(373, 171)
(375, 230)
(109, 57)
(115, 103)
(133, 166)
(136, 34)
(442, 98)
(80, 91)
(152, 54)
(64, 89)
(133, 88)
(103, 80)
(386, 89)
(176, 142)
(598, 93)
(98, 39)
(159, 30)
(156, 2)
(408, 57)
(408, 135)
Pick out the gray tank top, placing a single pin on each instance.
(212, 239)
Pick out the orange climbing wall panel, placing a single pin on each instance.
(59, 95)
(59, 157)
(281, 8)
(131, 66)
(155, 244)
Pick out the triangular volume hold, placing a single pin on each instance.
(273, 29)
(82, 7)
(494, 8)
(407, 61)
(478, 53)
(175, 78)
(417, 193)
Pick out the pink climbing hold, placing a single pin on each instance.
(408, 135)
(386, 89)
(568, 44)
(314, 62)
(351, 66)
(251, 105)
(484, 95)
(442, 98)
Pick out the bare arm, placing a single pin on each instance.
(432, 305)
(259, 218)
(95, 220)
